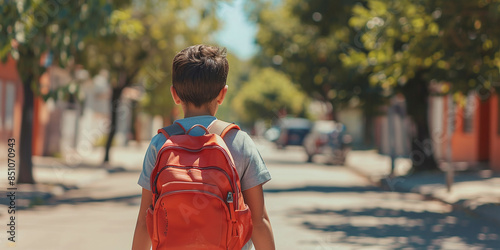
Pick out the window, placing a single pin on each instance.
(468, 116)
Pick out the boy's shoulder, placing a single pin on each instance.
(232, 135)
(237, 136)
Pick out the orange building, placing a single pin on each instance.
(11, 100)
(11, 105)
(495, 132)
(475, 131)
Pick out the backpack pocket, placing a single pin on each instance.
(149, 224)
(243, 228)
(194, 217)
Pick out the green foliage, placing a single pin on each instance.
(305, 40)
(334, 49)
(179, 25)
(340, 51)
(266, 93)
(141, 42)
(454, 42)
(238, 74)
(427, 47)
(31, 28)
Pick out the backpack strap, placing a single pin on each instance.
(217, 127)
(221, 127)
(174, 129)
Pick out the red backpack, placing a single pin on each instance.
(197, 199)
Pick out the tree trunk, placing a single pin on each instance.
(135, 125)
(115, 104)
(416, 93)
(124, 80)
(25, 152)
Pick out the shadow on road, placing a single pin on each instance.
(402, 229)
(128, 199)
(109, 169)
(289, 163)
(323, 189)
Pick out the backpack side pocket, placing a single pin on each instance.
(150, 225)
(244, 228)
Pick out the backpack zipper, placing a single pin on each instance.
(231, 213)
(192, 190)
(228, 159)
(192, 167)
(230, 200)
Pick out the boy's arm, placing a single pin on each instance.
(141, 236)
(262, 234)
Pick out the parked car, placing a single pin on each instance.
(328, 138)
(293, 131)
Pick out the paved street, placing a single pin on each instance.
(315, 206)
(312, 206)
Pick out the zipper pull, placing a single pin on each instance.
(229, 200)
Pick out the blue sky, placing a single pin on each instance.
(237, 34)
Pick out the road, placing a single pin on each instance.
(311, 206)
(315, 206)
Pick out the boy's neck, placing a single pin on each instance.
(190, 110)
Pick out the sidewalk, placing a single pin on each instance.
(56, 176)
(475, 191)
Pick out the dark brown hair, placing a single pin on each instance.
(199, 73)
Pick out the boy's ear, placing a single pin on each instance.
(222, 95)
(176, 98)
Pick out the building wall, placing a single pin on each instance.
(11, 100)
(438, 125)
(479, 143)
(40, 119)
(466, 143)
(484, 133)
(495, 132)
(11, 88)
(352, 118)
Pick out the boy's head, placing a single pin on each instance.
(199, 74)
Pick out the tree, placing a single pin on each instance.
(413, 43)
(139, 49)
(28, 29)
(239, 72)
(305, 39)
(122, 51)
(178, 25)
(266, 93)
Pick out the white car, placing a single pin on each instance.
(330, 139)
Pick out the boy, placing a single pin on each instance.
(199, 85)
